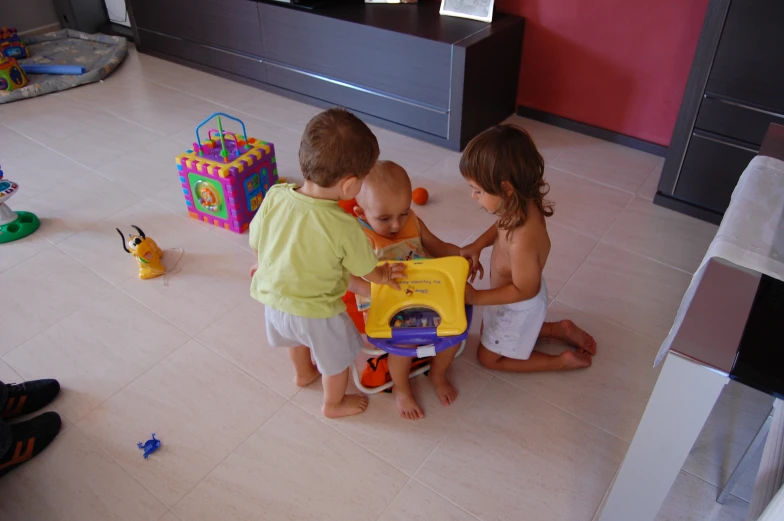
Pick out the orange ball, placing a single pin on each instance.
(420, 196)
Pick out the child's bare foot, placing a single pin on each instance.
(444, 389)
(408, 406)
(568, 331)
(575, 359)
(350, 405)
(307, 378)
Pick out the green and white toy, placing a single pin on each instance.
(14, 225)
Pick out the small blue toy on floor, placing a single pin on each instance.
(149, 446)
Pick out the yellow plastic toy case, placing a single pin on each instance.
(437, 284)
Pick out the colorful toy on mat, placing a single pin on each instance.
(14, 225)
(225, 178)
(429, 310)
(11, 46)
(12, 76)
(149, 446)
(146, 252)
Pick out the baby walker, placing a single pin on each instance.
(14, 225)
(428, 311)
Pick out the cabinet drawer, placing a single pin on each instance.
(747, 66)
(197, 53)
(711, 170)
(229, 24)
(339, 93)
(397, 64)
(733, 120)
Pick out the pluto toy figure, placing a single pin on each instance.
(146, 252)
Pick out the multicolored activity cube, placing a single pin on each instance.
(225, 178)
(12, 76)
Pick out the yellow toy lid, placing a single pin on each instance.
(437, 284)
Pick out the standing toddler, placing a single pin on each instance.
(307, 247)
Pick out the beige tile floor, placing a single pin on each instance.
(185, 356)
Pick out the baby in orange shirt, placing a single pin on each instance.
(396, 233)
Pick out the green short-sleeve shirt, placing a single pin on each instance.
(306, 250)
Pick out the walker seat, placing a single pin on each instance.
(429, 309)
(427, 315)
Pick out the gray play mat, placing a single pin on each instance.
(98, 53)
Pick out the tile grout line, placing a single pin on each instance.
(121, 467)
(583, 420)
(349, 438)
(495, 377)
(409, 477)
(189, 336)
(219, 355)
(399, 493)
(446, 499)
(600, 183)
(571, 277)
(118, 116)
(576, 230)
(86, 304)
(82, 165)
(240, 444)
(717, 487)
(657, 261)
(610, 321)
(132, 381)
(218, 103)
(178, 328)
(454, 423)
(601, 240)
(275, 124)
(119, 463)
(357, 442)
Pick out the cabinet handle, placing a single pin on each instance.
(747, 107)
(721, 142)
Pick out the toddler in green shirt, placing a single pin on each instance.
(307, 247)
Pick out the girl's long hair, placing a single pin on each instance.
(507, 154)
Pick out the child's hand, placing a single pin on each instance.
(389, 274)
(472, 253)
(253, 269)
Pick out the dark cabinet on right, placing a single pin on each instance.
(735, 90)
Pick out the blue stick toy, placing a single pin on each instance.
(149, 446)
(43, 68)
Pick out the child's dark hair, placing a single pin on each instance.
(507, 154)
(335, 144)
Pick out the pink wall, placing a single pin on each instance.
(621, 65)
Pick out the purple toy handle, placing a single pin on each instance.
(419, 336)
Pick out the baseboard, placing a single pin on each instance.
(590, 130)
(43, 29)
(114, 29)
(691, 210)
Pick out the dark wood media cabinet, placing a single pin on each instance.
(403, 67)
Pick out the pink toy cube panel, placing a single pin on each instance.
(224, 183)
